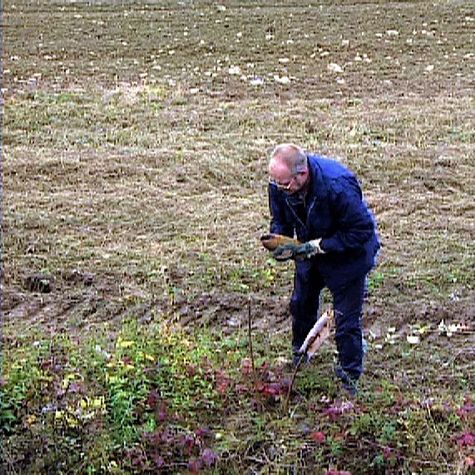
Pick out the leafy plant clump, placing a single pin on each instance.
(158, 399)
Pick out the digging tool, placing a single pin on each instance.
(317, 335)
(314, 340)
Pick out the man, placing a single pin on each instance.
(320, 202)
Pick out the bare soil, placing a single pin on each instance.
(135, 145)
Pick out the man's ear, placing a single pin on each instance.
(306, 173)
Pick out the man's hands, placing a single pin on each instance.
(298, 252)
(272, 241)
(284, 248)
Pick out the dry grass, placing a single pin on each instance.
(133, 153)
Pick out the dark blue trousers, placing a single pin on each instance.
(348, 307)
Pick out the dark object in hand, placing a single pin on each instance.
(272, 241)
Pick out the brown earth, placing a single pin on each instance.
(135, 143)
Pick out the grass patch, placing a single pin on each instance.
(158, 398)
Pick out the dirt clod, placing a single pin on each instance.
(76, 276)
(39, 283)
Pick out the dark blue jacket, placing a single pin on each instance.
(334, 210)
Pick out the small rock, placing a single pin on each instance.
(334, 68)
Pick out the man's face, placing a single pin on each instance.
(287, 181)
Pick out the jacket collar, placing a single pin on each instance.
(318, 188)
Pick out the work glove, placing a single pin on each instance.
(298, 252)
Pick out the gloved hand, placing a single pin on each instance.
(308, 250)
(272, 241)
(286, 252)
(298, 252)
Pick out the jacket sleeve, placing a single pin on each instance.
(278, 222)
(354, 222)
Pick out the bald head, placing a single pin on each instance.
(288, 156)
(288, 167)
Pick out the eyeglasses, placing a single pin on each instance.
(282, 186)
